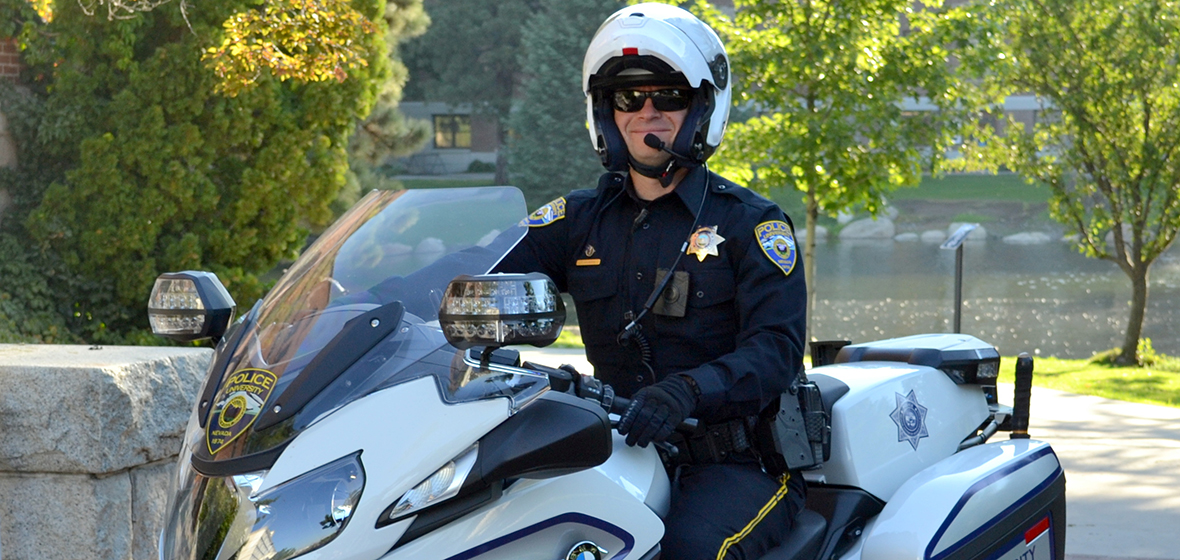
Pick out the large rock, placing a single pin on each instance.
(933, 236)
(821, 232)
(1027, 238)
(908, 237)
(88, 438)
(977, 234)
(77, 409)
(150, 485)
(66, 516)
(880, 228)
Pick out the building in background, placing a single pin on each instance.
(461, 140)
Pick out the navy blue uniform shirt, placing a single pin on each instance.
(735, 323)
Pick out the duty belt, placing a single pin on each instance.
(712, 443)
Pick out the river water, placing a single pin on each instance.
(1044, 299)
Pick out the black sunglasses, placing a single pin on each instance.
(630, 101)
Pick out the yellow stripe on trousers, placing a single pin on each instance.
(774, 500)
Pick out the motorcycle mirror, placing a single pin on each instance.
(190, 305)
(494, 310)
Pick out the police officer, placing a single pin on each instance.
(685, 284)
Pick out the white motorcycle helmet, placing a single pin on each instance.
(657, 44)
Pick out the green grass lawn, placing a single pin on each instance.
(569, 338)
(1004, 187)
(1007, 187)
(445, 183)
(1158, 384)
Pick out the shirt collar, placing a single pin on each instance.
(692, 188)
(689, 190)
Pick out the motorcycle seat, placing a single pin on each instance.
(804, 540)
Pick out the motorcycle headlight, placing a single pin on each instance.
(305, 513)
(444, 484)
(229, 519)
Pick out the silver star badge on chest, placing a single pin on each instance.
(703, 242)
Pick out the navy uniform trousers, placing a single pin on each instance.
(732, 317)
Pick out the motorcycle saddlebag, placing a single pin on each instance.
(999, 501)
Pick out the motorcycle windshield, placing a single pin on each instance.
(358, 312)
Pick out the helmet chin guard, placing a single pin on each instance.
(657, 44)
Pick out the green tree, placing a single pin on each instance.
(471, 54)
(823, 83)
(550, 150)
(149, 169)
(305, 40)
(1105, 142)
(386, 133)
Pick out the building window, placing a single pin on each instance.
(452, 131)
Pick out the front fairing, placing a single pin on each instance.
(390, 257)
(304, 352)
(402, 433)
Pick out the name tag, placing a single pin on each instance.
(588, 262)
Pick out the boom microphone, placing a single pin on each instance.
(655, 143)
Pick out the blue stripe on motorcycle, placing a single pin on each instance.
(983, 483)
(579, 518)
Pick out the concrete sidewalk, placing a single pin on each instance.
(1121, 460)
(1122, 470)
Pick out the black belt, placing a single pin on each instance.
(712, 443)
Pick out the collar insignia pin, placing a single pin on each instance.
(703, 242)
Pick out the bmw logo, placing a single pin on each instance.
(585, 550)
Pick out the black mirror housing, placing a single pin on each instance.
(190, 305)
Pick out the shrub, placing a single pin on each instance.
(477, 166)
(131, 165)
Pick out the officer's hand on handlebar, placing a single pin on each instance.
(655, 411)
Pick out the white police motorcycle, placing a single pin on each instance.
(366, 408)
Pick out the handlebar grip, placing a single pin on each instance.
(1021, 396)
(602, 393)
(620, 405)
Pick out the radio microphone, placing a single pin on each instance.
(655, 143)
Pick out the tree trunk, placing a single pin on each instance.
(1130, 351)
(502, 153)
(809, 258)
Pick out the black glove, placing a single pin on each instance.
(656, 410)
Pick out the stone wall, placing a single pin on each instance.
(88, 441)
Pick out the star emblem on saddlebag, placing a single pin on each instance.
(910, 418)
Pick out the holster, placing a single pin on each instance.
(795, 434)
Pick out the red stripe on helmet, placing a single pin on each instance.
(630, 51)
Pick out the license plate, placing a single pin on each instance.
(1036, 544)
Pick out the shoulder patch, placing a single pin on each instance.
(778, 243)
(546, 214)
